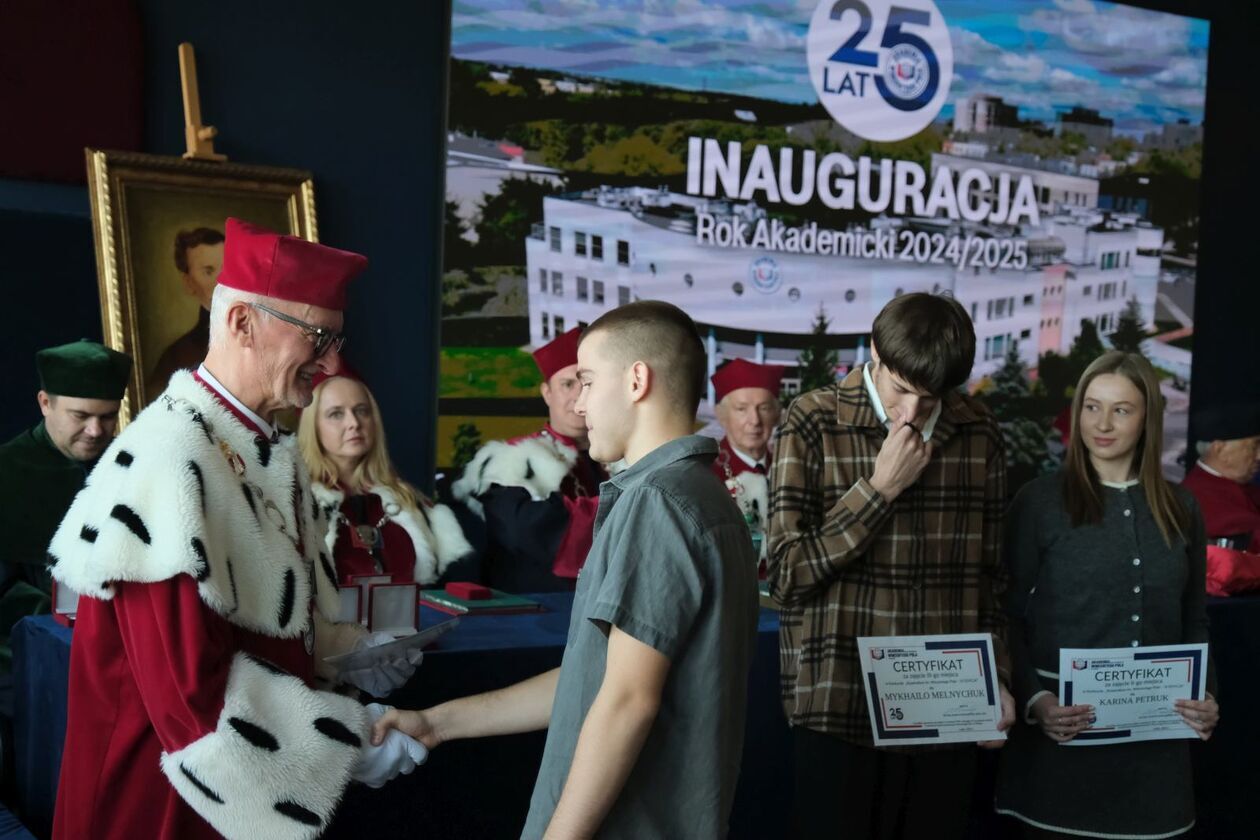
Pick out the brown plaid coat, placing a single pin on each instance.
(845, 563)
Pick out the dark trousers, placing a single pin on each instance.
(847, 792)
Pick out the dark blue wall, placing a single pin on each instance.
(48, 273)
(354, 92)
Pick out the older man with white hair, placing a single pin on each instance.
(748, 410)
(207, 599)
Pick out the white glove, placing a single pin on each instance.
(397, 754)
(383, 675)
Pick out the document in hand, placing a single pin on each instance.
(931, 689)
(392, 651)
(1132, 690)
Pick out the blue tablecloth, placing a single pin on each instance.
(480, 789)
(41, 675)
(467, 789)
(11, 829)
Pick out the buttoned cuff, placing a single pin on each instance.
(1028, 715)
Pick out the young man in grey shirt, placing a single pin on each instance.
(646, 711)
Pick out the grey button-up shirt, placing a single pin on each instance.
(673, 566)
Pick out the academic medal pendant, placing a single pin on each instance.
(235, 461)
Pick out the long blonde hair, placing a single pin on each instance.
(1082, 489)
(375, 469)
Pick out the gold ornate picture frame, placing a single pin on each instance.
(146, 210)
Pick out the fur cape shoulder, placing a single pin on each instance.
(537, 464)
(189, 489)
(435, 534)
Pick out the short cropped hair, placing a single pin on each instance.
(221, 300)
(927, 340)
(665, 338)
(188, 239)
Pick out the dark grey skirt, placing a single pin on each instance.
(1138, 790)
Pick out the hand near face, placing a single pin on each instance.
(901, 460)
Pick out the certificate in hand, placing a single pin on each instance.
(1132, 690)
(395, 650)
(931, 689)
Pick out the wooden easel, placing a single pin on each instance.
(200, 138)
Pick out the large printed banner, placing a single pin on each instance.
(781, 170)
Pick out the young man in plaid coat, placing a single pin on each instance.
(885, 519)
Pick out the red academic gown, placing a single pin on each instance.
(540, 545)
(751, 493)
(147, 676)
(580, 492)
(1229, 509)
(354, 557)
(727, 464)
(153, 668)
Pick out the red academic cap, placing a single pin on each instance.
(559, 354)
(343, 369)
(744, 374)
(287, 267)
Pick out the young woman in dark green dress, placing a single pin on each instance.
(1103, 554)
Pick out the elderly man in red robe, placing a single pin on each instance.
(748, 410)
(1221, 481)
(206, 599)
(538, 494)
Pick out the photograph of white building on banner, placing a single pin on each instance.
(1042, 168)
(601, 248)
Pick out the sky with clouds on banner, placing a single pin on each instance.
(1138, 67)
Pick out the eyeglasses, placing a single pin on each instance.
(323, 339)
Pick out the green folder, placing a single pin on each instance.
(498, 603)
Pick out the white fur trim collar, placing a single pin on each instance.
(537, 464)
(435, 534)
(188, 489)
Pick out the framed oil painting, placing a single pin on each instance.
(158, 226)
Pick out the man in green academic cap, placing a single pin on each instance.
(41, 470)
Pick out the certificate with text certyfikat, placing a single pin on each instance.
(1132, 690)
(931, 689)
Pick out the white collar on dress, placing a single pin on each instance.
(1203, 466)
(882, 415)
(1121, 485)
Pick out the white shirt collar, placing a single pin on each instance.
(1203, 466)
(746, 458)
(1121, 485)
(209, 379)
(882, 415)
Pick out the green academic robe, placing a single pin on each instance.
(37, 485)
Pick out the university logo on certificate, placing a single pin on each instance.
(1132, 690)
(931, 689)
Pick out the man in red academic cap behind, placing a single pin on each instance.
(1223, 484)
(748, 410)
(196, 549)
(538, 494)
